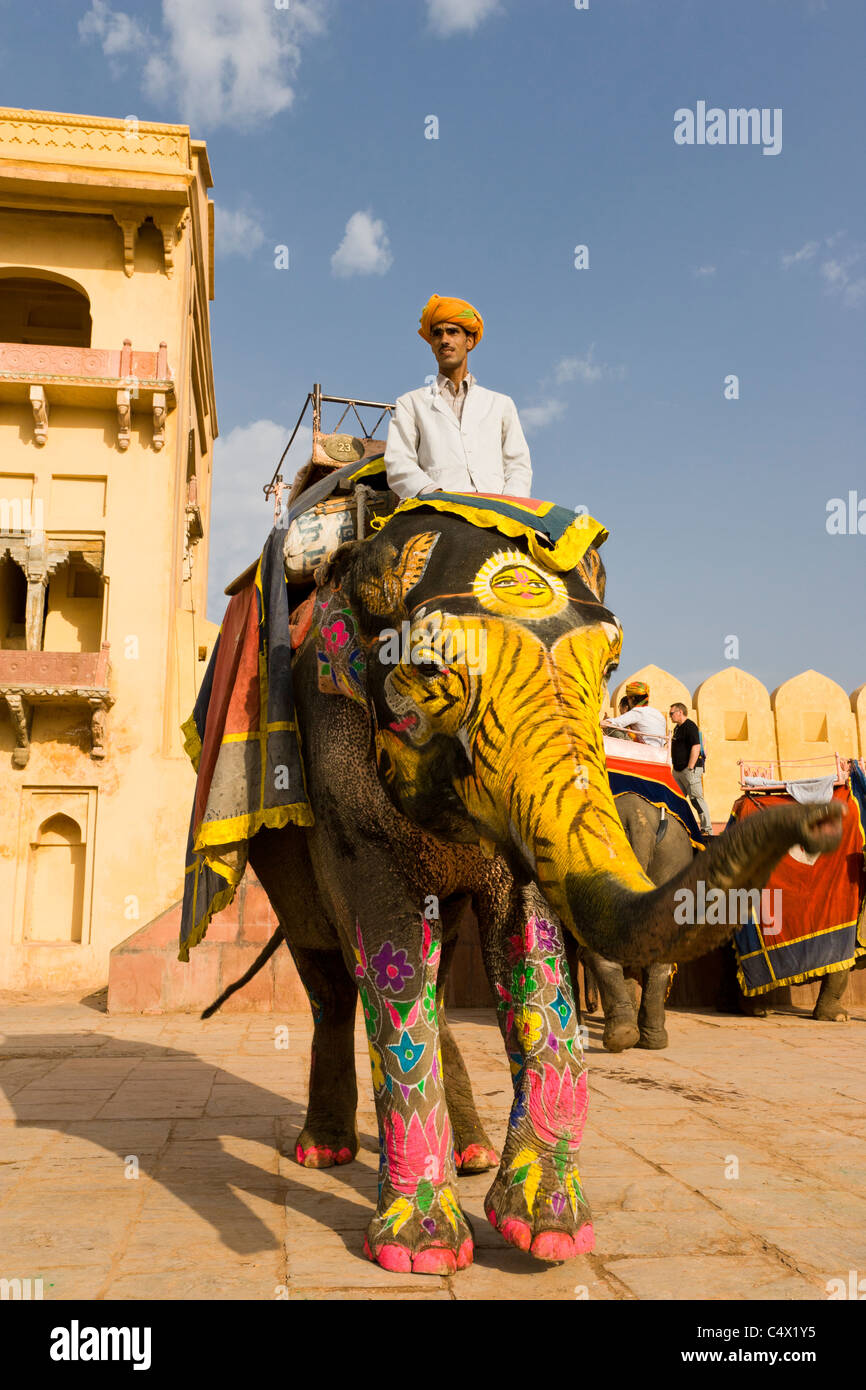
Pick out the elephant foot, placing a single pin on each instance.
(475, 1158)
(831, 1015)
(620, 1033)
(427, 1235)
(653, 1039)
(315, 1150)
(537, 1205)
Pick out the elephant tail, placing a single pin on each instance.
(263, 956)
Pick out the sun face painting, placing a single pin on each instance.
(513, 586)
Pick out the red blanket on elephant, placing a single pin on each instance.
(816, 932)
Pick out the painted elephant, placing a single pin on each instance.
(458, 753)
(634, 1000)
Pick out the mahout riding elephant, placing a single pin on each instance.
(633, 1000)
(448, 695)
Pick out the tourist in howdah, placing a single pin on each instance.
(641, 719)
(688, 761)
(454, 435)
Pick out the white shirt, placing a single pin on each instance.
(483, 451)
(645, 721)
(455, 395)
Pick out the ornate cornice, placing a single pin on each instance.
(64, 138)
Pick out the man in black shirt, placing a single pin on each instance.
(688, 763)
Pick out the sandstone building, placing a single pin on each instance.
(107, 423)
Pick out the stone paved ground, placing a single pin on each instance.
(217, 1212)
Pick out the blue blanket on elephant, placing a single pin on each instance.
(654, 782)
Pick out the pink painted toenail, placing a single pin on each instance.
(314, 1157)
(517, 1233)
(392, 1257)
(465, 1254)
(473, 1154)
(345, 1156)
(584, 1241)
(553, 1245)
(491, 1217)
(434, 1261)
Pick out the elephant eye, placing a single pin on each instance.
(429, 669)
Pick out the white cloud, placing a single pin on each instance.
(118, 33)
(805, 253)
(365, 249)
(236, 233)
(448, 17)
(586, 370)
(241, 517)
(837, 274)
(704, 271)
(841, 272)
(535, 417)
(220, 62)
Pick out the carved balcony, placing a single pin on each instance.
(118, 379)
(55, 678)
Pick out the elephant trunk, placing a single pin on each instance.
(539, 782)
(639, 928)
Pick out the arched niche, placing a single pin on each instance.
(42, 308)
(54, 910)
(734, 715)
(814, 720)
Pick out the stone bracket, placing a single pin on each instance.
(124, 418)
(21, 714)
(20, 703)
(170, 225)
(39, 405)
(159, 407)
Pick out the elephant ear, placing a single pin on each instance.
(332, 570)
(591, 571)
(383, 594)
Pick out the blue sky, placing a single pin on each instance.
(556, 128)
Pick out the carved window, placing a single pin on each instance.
(73, 608)
(45, 312)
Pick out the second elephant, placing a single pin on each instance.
(634, 1000)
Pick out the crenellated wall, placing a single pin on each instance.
(807, 717)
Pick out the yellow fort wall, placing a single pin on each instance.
(92, 846)
(805, 721)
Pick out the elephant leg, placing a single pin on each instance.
(330, 1133)
(418, 1225)
(590, 988)
(618, 1002)
(828, 1006)
(280, 859)
(473, 1151)
(651, 1015)
(537, 1201)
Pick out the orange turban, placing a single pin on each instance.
(442, 309)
